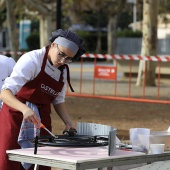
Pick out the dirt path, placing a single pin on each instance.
(122, 115)
(119, 114)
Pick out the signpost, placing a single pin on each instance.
(105, 72)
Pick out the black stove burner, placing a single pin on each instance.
(70, 141)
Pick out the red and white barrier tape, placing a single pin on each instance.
(11, 52)
(111, 56)
(128, 57)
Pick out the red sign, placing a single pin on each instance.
(105, 72)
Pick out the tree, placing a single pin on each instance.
(11, 24)
(88, 12)
(149, 41)
(114, 10)
(97, 12)
(109, 9)
(46, 11)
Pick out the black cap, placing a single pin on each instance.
(72, 37)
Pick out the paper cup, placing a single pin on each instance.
(157, 148)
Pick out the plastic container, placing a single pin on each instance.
(160, 137)
(157, 148)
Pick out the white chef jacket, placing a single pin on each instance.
(6, 67)
(28, 67)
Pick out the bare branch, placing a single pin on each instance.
(43, 8)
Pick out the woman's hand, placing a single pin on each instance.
(62, 112)
(30, 116)
(11, 100)
(69, 130)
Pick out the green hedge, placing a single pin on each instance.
(33, 41)
(129, 33)
(90, 39)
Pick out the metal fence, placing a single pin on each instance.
(124, 86)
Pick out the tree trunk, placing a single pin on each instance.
(111, 36)
(149, 42)
(12, 30)
(99, 43)
(45, 30)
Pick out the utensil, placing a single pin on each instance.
(42, 126)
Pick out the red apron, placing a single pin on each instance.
(41, 91)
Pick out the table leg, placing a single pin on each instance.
(36, 167)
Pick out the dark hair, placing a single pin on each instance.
(72, 37)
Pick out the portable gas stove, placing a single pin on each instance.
(70, 141)
(88, 135)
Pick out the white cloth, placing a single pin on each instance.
(27, 68)
(6, 67)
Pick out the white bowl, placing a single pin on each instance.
(160, 137)
(157, 148)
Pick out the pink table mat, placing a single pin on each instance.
(72, 154)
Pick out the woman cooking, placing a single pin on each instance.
(39, 77)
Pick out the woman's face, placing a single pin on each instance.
(59, 55)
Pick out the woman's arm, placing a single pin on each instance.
(63, 114)
(28, 114)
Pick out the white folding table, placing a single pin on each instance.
(78, 158)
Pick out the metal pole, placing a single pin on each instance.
(58, 13)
